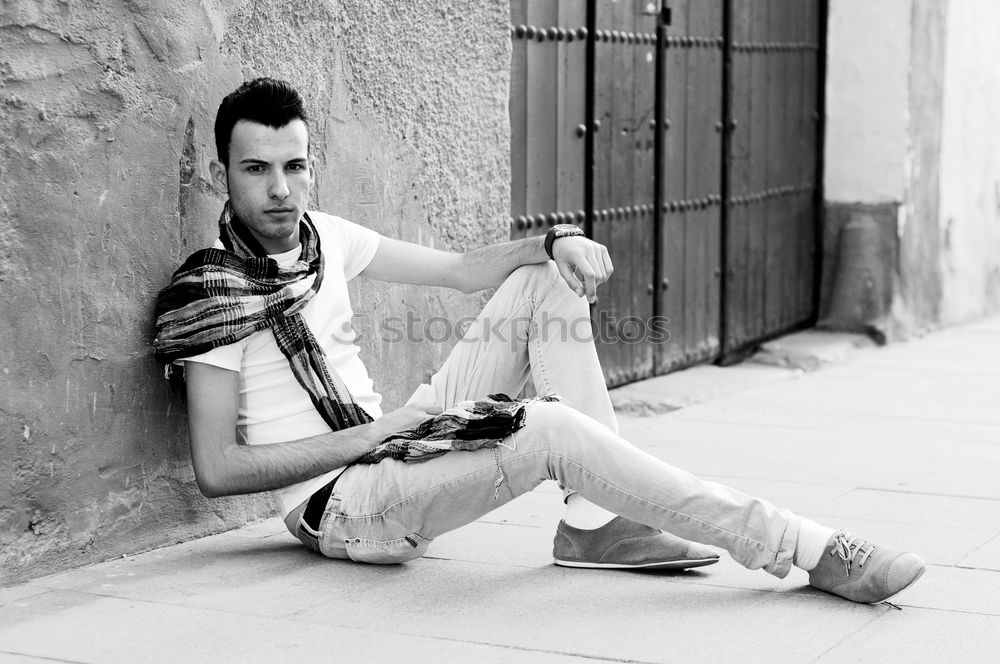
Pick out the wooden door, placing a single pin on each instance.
(691, 196)
(773, 169)
(548, 111)
(624, 182)
(685, 136)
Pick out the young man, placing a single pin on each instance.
(279, 400)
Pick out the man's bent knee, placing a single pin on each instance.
(538, 276)
(558, 422)
(543, 284)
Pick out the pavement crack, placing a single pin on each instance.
(507, 646)
(915, 607)
(478, 562)
(509, 523)
(937, 494)
(833, 500)
(42, 658)
(853, 633)
(966, 567)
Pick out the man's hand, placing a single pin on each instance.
(224, 466)
(583, 263)
(401, 419)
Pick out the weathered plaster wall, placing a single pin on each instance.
(970, 163)
(919, 276)
(866, 160)
(867, 112)
(107, 110)
(912, 100)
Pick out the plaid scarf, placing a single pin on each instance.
(468, 425)
(220, 296)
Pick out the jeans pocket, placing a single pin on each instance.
(390, 552)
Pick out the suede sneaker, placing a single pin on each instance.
(625, 544)
(858, 570)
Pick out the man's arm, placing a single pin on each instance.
(584, 264)
(224, 466)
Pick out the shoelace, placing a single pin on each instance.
(848, 547)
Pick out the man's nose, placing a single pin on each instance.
(278, 187)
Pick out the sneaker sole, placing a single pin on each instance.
(672, 564)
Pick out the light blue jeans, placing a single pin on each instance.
(535, 326)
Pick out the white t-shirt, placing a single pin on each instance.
(274, 408)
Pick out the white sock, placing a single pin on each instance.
(811, 544)
(585, 515)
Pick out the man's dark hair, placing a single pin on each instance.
(268, 101)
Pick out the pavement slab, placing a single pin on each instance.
(665, 394)
(14, 658)
(620, 615)
(985, 557)
(907, 460)
(960, 589)
(916, 509)
(17, 593)
(921, 637)
(986, 326)
(901, 444)
(159, 632)
(800, 497)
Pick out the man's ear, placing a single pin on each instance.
(219, 176)
(312, 171)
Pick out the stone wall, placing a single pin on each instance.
(107, 109)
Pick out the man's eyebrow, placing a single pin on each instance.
(264, 162)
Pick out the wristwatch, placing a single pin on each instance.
(558, 231)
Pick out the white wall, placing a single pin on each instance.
(950, 263)
(970, 161)
(867, 116)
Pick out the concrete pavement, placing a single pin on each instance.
(899, 443)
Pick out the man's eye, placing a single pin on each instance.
(296, 167)
(255, 168)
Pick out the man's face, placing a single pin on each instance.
(268, 180)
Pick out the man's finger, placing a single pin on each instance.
(567, 274)
(589, 282)
(598, 266)
(606, 258)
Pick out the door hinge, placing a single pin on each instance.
(666, 17)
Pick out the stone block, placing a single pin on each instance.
(810, 349)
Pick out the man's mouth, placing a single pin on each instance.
(282, 210)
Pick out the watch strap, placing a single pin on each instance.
(558, 231)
